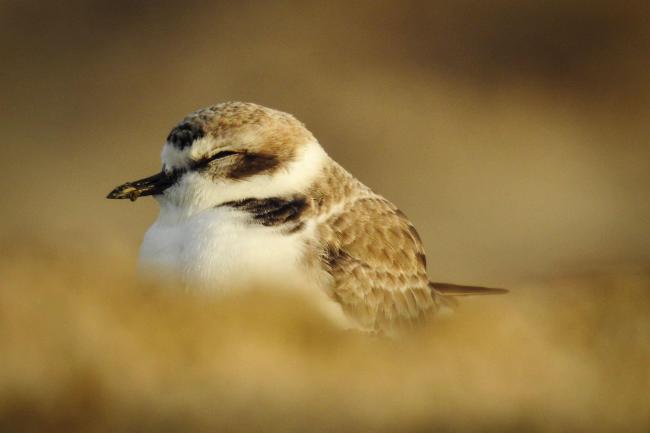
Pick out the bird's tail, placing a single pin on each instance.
(457, 290)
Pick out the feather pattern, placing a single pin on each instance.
(373, 254)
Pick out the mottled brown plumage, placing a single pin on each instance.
(372, 252)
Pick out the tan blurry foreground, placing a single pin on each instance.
(87, 349)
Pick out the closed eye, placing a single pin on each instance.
(219, 155)
(207, 160)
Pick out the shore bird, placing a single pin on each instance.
(249, 198)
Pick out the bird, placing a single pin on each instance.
(248, 197)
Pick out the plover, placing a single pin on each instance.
(249, 198)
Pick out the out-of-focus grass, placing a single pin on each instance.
(85, 348)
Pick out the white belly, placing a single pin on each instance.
(219, 250)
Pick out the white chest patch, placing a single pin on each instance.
(219, 250)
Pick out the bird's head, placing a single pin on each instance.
(231, 151)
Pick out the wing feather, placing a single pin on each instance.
(377, 262)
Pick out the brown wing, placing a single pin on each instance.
(378, 265)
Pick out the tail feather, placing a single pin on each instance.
(458, 290)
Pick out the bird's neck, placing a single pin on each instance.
(334, 189)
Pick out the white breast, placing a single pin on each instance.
(218, 249)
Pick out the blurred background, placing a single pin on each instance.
(515, 135)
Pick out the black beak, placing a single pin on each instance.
(152, 185)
